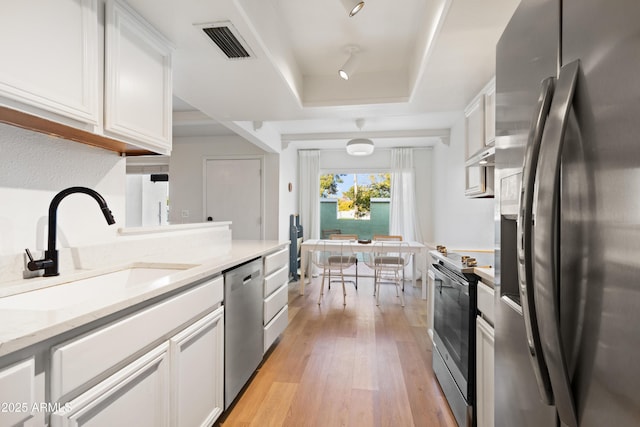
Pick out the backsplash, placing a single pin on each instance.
(33, 169)
(212, 240)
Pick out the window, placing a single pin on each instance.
(355, 203)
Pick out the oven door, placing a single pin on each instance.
(451, 324)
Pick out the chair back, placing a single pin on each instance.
(389, 255)
(328, 232)
(328, 254)
(343, 237)
(386, 238)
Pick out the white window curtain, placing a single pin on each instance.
(309, 197)
(404, 211)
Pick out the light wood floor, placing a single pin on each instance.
(358, 365)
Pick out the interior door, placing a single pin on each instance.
(233, 192)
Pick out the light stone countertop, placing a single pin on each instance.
(21, 327)
(486, 274)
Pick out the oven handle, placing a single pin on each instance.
(448, 275)
(525, 244)
(546, 268)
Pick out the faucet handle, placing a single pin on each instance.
(29, 255)
(40, 264)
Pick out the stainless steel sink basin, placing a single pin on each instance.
(75, 292)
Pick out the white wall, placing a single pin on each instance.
(288, 199)
(380, 160)
(33, 169)
(186, 177)
(459, 222)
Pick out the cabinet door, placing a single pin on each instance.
(490, 114)
(17, 392)
(137, 80)
(197, 371)
(474, 124)
(484, 373)
(137, 395)
(475, 180)
(50, 57)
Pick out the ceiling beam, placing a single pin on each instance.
(403, 133)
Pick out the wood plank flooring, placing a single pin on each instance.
(358, 365)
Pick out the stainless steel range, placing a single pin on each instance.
(455, 305)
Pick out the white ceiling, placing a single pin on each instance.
(420, 63)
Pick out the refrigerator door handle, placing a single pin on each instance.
(525, 243)
(546, 267)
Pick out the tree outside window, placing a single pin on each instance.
(357, 198)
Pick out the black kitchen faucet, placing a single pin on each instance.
(50, 261)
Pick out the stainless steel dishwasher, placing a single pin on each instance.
(243, 334)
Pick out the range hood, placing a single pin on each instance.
(484, 157)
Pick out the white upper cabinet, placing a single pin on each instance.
(480, 136)
(137, 80)
(50, 58)
(53, 56)
(474, 123)
(490, 113)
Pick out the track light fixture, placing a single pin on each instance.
(352, 6)
(349, 68)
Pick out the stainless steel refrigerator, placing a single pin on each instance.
(567, 345)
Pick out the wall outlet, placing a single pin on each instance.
(185, 213)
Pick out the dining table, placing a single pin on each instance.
(417, 250)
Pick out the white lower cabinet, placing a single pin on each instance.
(179, 383)
(17, 392)
(485, 357)
(197, 372)
(484, 374)
(276, 296)
(137, 395)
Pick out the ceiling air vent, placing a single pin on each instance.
(226, 37)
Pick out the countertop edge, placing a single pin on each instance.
(241, 251)
(486, 274)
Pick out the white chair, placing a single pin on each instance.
(353, 238)
(333, 257)
(390, 238)
(387, 260)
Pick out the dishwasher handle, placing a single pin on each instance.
(250, 277)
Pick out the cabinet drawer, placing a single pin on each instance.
(275, 327)
(17, 392)
(137, 395)
(485, 301)
(276, 260)
(76, 362)
(275, 302)
(275, 280)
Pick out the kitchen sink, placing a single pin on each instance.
(82, 290)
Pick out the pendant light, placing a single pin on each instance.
(352, 6)
(360, 146)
